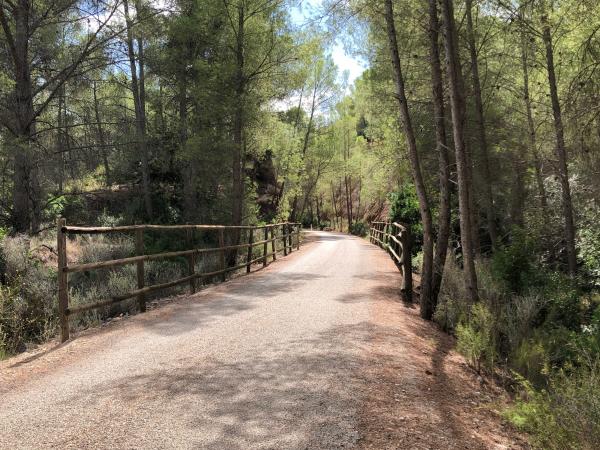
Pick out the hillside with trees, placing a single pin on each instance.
(476, 122)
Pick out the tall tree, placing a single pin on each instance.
(138, 89)
(457, 103)
(488, 198)
(39, 80)
(426, 300)
(437, 95)
(561, 149)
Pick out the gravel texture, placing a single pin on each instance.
(263, 361)
(314, 352)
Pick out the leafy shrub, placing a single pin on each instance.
(567, 414)
(520, 316)
(404, 207)
(564, 307)
(359, 228)
(475, 338)
(451, 306)
(514, 264)
(417, 262)
(27, 309)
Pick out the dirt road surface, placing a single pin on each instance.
(315, 352)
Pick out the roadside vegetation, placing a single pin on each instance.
(475, 121)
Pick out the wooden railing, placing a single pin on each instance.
(270, 235)
(395, 238)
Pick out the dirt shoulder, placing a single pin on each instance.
(421, 393)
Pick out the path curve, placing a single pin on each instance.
(316, 351)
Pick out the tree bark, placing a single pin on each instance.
(413, 155)
(457, 107)
(561, 151)
(25, 196)
(139, 100)
(101, 137)
(488, 197)
(238, 125)
(537, 164)
(437, 95)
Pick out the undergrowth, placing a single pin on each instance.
(28, 286)
(543, 328)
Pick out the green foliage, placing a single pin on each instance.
(27, 306)
(404, 208)
(359, 228)
(451, 306)
(515, 264)
(475, 338)
(566, 414)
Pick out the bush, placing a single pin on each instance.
(475, 338)
(567, 414)
(359, 228)
(515, 265)
(452, 306)
(27, 306)
(404, 207)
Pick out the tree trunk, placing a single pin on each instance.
(517, 203)
(237, 202)
(238, 123)
(334, 204)
(539, 177)
(189, 172)
(101, 137)
(437, 95)
(561, 151)
(26, 211)
(457, 107)
(61, 143)
(138, 91)
(304, 143)
(413, 155)
(483, 146)
(318, 213)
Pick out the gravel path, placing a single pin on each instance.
(314, 352)
(264, 361)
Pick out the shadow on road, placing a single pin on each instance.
(238, 296)
(252, 402)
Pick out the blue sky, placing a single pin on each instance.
(345, 62)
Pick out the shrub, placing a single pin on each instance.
(359, 228)
(27, 309)
(404, 207)
(514, 264)
(567, 414)
(475, 338)
(451, 306)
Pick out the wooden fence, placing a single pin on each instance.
(270, 235)
(395, 238)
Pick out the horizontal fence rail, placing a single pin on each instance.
(395, 238)
(257, 236)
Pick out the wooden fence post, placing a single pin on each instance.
(298, 237)
(139, 250)
(249, 259)
(266, 246)
(386, 235)
(273, 243)
(189, 234)
(291, 237)
(63, 279)
(283, 233)
(222, 252)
